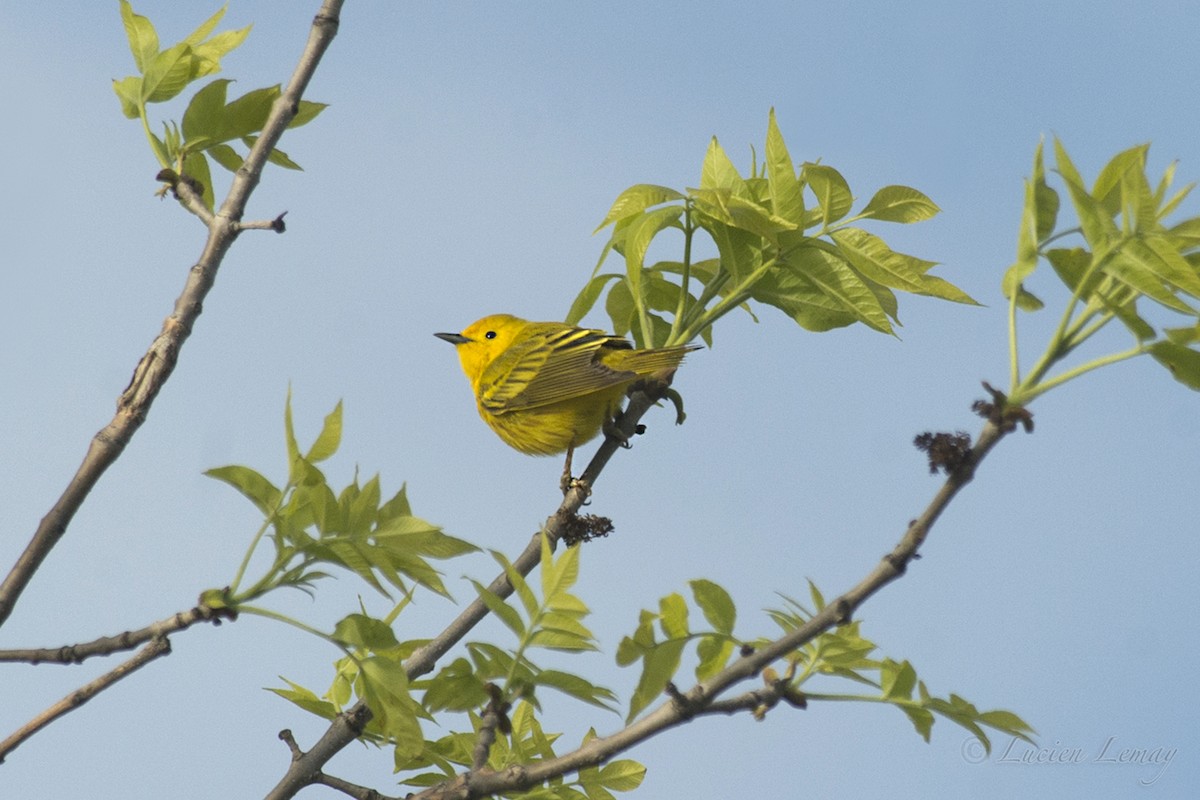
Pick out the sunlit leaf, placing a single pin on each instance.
(787, 196)
(143, 40)
(637, 199)
(900, 204)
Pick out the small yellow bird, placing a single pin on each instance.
(548, 387)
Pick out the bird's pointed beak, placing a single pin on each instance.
(452, 338)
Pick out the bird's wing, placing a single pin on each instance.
(553, 364)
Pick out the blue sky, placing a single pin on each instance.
(467, 155)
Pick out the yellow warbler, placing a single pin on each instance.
(546, 387)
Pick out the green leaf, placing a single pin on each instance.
(673, 616)
(900, 204)
(195, 166)
(209, 53)
(560, 640)
(330, 437)
(716, 604)
(1072, 265)
(619, 307)
(817, 598)
(1184, 336)
(393, 712)
(921, 718)
(307, 700)
(168, 74)
(1108, 187)
(276, 156)
(397, 507)
(577, 687)
(1171, 267)
(289, 430)
(831, 190)
(741, 252)
(871, 256)
(129, 92)
(641, 233)
(1098, 226)
(1182, 362)
(203, 115)
(504, 612)
(898, 679)
(306, 112)
(659, 666)
(455, 687)
(143, 40)
(226, 156)
(558, 575)
(248, 113)
(714, 653)
(1140, 268)
(718, 172)
(622, 775)
(206, 27)
(256, 488)
(588, 296)
(362, 631)
(787, 196)
(834, 278)
(637, 199)
(1045, 199)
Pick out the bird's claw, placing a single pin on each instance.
(614, 433)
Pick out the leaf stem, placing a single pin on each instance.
(681, 306)
(262, 529)
(1113, 358)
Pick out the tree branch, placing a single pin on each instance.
(159, 646)
(157, 364)
(107, 645)
(701, 699)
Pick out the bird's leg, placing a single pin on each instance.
(566, 480)
(612, 430)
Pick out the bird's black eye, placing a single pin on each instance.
(490, 335)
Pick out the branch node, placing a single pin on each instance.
(287, 738)
(578, 528)
(844, 610)
(949, 452)
(1001, 413)
(898, 563)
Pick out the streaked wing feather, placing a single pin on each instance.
(551, 366)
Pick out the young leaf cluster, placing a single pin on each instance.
(525, 744)
(489, 673)
(210, 122)
(784, 238)
(843, 653)
(1127, 258)
(661, 658)
(311, 528)
(661, 639)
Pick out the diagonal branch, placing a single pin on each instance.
(157, 364)
(159, 646)
(702, 698)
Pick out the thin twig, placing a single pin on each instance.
(158, 363)
(107, 645)
(159, 646)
